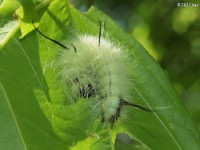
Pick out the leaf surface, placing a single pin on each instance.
(33, 100)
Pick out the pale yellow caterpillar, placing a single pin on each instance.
(96, 69)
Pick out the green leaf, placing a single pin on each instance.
(9, 139)
(29, 12)
(8, 24)
(21, 76)
(170, 124)
(43, 117)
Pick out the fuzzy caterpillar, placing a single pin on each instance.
(96, 71)
(95, 68)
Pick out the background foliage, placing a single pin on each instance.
(171, 34)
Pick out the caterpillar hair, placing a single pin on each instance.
(96, 68)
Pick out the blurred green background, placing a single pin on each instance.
(170, 33)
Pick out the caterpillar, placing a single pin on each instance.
(93, 67)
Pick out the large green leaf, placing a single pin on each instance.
(168, 126)
(11, 139)
(43, 119)
(20, 75)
